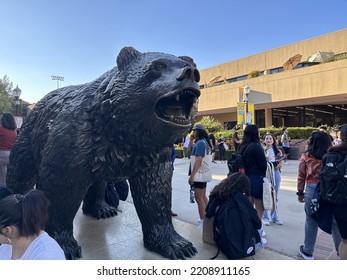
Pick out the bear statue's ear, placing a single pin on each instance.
(188, 59)
(126, 56)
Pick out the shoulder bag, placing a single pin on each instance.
(204, 173)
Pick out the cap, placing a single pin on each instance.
(199, 126)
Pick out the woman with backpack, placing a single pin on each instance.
(255, 165)
(338, 208)
(308, 177)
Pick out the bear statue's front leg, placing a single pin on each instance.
(64, 206)
(151, 194)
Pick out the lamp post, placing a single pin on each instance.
(57, 78)
(246, 91)
(16, 93)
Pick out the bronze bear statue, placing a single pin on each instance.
(119, 126)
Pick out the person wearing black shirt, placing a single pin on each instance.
(213, 144)
(255, 164)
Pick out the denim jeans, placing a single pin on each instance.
(4, 159)
(311, 227)
(273, 213)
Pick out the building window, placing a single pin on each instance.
(276, 70)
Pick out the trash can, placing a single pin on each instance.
(294, 152)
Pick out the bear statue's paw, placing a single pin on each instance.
(99, 210)
(69, 245)
(175, 247)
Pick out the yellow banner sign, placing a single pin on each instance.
(245, 116)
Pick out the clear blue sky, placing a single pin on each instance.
(80, 39)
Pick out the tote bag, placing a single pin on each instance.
(204, 173)
(267, 194)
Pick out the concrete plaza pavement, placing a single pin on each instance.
(120, 237)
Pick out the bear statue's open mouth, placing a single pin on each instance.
(176, 108)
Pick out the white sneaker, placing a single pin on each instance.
(262, 233)
(278, 222)
(263, 241)
(201, 224)
(304, 254)
(266, 222)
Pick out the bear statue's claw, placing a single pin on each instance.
(179, 248)
(100, 210)
(69, 245)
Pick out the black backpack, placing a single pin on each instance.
(333, 178)
(236, 163)
(233, 230)
(115, 191)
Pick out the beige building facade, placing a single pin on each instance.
(313, 93)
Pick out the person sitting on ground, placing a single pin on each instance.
(236, 185)
(22, 222)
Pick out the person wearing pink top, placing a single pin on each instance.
(8, 135)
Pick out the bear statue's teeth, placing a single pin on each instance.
(177, 97)
(171, 117)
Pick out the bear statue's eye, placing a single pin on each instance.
(159, 65)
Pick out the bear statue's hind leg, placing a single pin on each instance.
(151, 194)
(94, 202)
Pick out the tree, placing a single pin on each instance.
(6, 103)
(211, 124)
(253, 74)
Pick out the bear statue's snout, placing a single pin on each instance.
(189, 72)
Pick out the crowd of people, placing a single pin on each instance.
(264, 158)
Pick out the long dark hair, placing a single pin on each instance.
(8, 121)
(318, 144)
(250, 135)
(28, 212)
(202, 134)
(274, 141)
(233, 184)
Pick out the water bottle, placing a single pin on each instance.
(192, 194)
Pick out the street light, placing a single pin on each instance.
(16, 93)
(246, 91)
(57, 78)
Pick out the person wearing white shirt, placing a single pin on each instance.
(22, 219)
